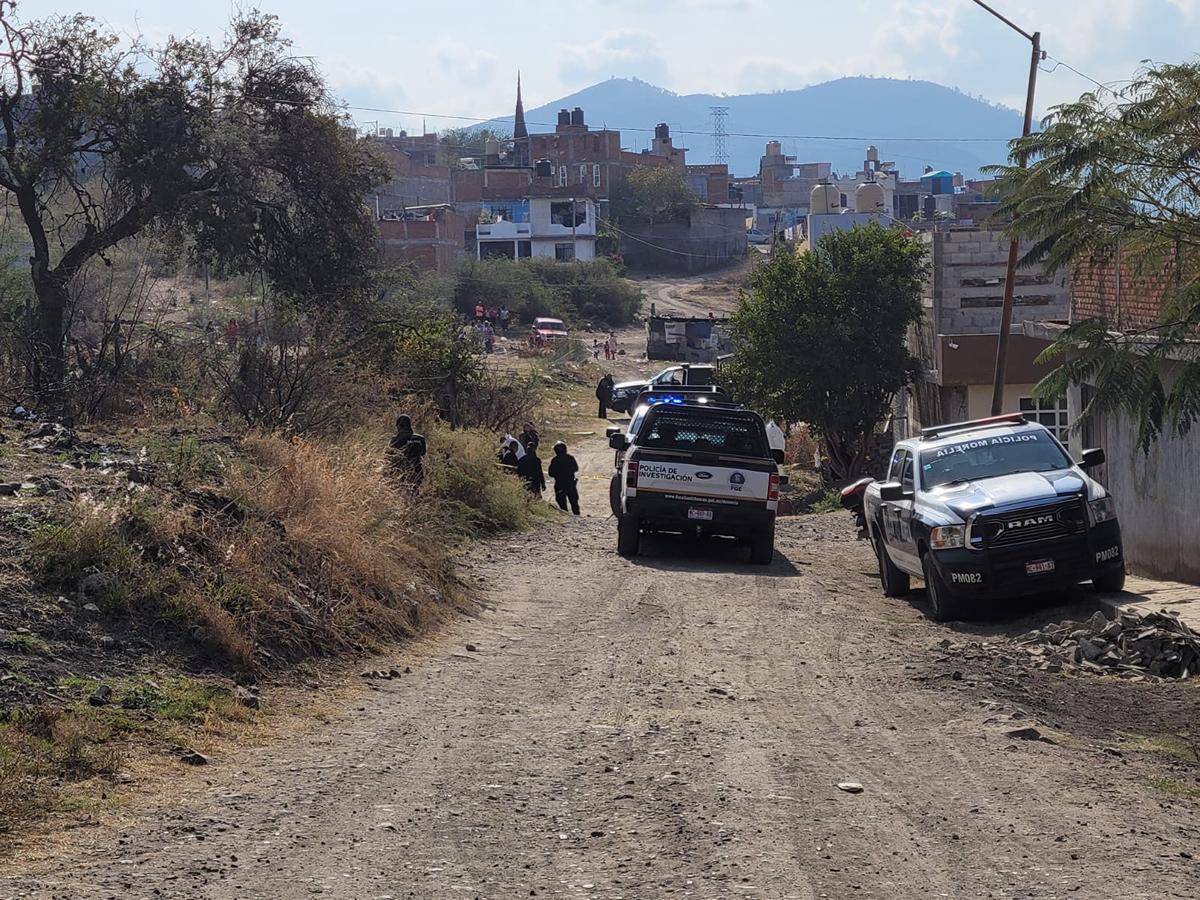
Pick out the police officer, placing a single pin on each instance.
(604, 393)
(530, 471)
(406, 449)
(564, 471)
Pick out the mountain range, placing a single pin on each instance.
(914, 123)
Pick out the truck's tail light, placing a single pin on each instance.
(773, 489)
(631, 474)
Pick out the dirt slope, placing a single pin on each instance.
(670, 726)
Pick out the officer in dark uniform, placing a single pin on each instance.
(406, 450)
(564, 471)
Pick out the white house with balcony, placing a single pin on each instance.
(544, 227)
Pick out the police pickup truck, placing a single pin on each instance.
(626, 393)
(991, 508)
(692, 466)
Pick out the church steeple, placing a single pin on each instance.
(520, 155)
(519, 129)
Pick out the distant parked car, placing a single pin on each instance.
(754, 236)
(549, 329)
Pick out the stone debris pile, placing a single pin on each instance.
(1149, 647)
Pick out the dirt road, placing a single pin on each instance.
(671, 726)
(676, 726)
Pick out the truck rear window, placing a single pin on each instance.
(992, 457)
(685, 429)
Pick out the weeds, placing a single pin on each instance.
(831, 501)
(25, 643)
(187, 460)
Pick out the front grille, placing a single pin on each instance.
(1024, 526)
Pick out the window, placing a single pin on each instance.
(562, 176)
(596, 176)
(894, 468)
(991, 457)
(681, 429)
(568, 213)
(564, 252)
(906, 474)
(1052, 413)
(524, 249)
(583, 174)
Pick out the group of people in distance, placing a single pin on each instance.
(609, 347)
(520, 455)
(406, 451)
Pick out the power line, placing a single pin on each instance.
(1058, 62)
(738, 134)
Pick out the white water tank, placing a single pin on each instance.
(824, 199)
(870, 197)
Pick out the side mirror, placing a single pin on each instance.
(777, 455)
(618, 441)
(1091, 458)
(893, 491)
(611, 430)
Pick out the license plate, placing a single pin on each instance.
(1041, 567)
(704, 515)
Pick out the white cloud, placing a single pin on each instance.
(620, 53)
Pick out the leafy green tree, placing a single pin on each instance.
(820, 337)
(469, 141)
(652, 194)
(1118, 175)
(232, 150)
(440, 357)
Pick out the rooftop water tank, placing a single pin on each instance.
(870, 197)
(824, 199)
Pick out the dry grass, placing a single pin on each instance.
(293, 550)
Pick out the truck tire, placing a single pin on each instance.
(614, 495)
(629, 535)
(944, 606)
(895, 583)
(1110, 582)
(762, 547)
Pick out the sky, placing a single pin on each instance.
(460, 58)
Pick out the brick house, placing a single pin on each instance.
(429, 237)
(1157, 495)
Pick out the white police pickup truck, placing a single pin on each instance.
(692, 466)
(991, 508)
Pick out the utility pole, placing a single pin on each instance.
(1006, 308)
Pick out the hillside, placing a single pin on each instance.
(882, 109)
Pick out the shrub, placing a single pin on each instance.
(584, 291)
(468, 495)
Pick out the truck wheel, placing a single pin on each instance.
(943, 604)
(1110, 582)
(614, 495)
(629, 535)
(895, 583)
(762, 547)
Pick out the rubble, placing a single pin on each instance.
(1149, 647)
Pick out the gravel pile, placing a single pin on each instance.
(1150, 647)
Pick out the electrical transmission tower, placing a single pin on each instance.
(720, 154)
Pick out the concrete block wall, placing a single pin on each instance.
(967, 283)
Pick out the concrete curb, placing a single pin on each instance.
(1146, 595)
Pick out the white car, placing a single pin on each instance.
(549, 329)
(754, 236)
